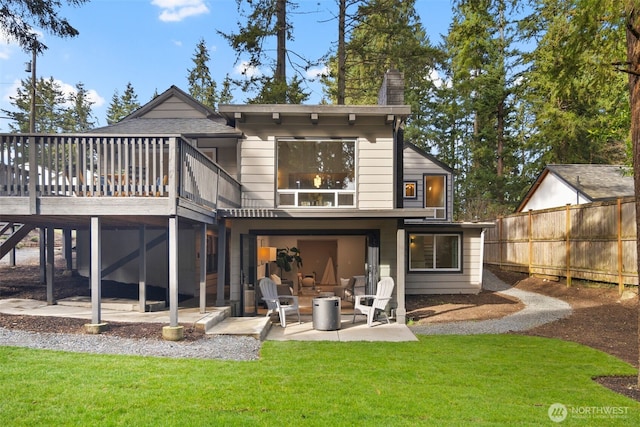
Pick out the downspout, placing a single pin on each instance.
(398, 134)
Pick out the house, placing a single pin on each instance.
(573, 184)
(184, 197)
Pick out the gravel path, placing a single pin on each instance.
(213, 347)
(539, 309)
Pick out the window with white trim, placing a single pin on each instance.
(435, 196)
(316, 173)
(435, 252)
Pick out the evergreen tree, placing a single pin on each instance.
(201, 86)
(272, 92)
(19, 18)
(50, 107)
(78, 118)
(130, 100)
(267, 19)
(122, 106)
(484, 79)
(226, 97)
(387, 34)
(577, 97)
(115, 110)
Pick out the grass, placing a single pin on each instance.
(440, 380)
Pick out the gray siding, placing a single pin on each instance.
(174, 108)
(469, 281)
(416, 166)
(257, 172)
(374, 167)
(375, 176)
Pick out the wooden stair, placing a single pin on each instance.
(14, 238)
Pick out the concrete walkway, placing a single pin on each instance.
(112, 311)
(538, 310)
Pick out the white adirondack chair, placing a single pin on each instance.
(282, 304)
(380, 301)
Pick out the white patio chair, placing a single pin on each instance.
(380, 301)
(281, 304)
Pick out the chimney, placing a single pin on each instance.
(392, 90)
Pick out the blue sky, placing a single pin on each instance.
(151, 43)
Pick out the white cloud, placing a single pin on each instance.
(66, 88)
(247, 70)
(177, 10)
(93, 96)
(434, 77)
(11, 91)
(315, 72)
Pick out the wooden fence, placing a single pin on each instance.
(594, 241)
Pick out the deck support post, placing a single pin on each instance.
(12, 252)
(50, 241)
(203, 268)
(42, 240)
(96, 326)
(173, 271)
(222, 261)
(96, 270)
(67, 251)
(173, 332)
(142, 270)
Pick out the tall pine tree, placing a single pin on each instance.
(484, 78)
(122, 106)
(201, 86)
(265, 20)
(50, 107)
(79, 118)
(577, 97)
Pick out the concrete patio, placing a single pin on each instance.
(216, 321)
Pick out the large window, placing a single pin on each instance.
(435, 196)
(316, 173)
(434, 252)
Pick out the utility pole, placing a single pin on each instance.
(32, 112)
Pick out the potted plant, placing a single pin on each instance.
(286, 258)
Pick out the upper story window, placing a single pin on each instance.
(316, 172)
(435, 196)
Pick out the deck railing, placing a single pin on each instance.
(112, 166)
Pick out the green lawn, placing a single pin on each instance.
(440, 380)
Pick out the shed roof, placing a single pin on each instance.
(595, 182)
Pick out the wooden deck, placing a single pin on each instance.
(123, 179)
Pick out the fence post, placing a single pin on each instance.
(620, 280)
(568, 244)
(530, 241)
(500, 241)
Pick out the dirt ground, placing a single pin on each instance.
(601, 318)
